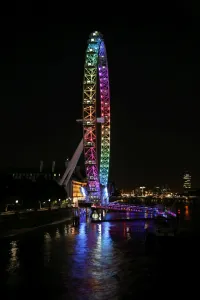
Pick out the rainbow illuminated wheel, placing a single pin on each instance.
(97, 173)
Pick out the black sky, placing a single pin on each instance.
(153, 53)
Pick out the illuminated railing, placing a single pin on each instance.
(133, 208)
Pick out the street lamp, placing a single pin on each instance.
(16, 201)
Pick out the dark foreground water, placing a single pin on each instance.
(94, 261)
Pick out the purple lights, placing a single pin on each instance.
(97, 169)
(140, 209)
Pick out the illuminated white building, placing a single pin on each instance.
(187, 181)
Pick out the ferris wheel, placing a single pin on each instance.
(96, 78)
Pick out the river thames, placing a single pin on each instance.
(106, 260)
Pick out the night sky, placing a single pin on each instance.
(154, 65)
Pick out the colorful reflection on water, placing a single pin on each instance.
(84, 262)
(91, 261)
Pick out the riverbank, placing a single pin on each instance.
(21, 231)
(19, 223)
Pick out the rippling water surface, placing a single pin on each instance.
(92, 261)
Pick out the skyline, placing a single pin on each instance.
(186, 181)
(154, 76)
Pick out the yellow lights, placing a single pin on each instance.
(76, 189)
(169, 195)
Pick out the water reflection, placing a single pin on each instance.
(187, 213)
(146, 225)
(57, 234)
(128, 215)
(13, 262)
(81, 242)
(99, 240)
(92, 261)
(47, 247)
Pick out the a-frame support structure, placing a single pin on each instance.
(71, 166)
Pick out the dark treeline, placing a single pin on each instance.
(28, 192)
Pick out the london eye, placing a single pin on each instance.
(96, 97)
(96, 78)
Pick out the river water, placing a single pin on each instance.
(105, 261)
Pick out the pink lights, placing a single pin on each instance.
(134, 208)
(96, 60)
